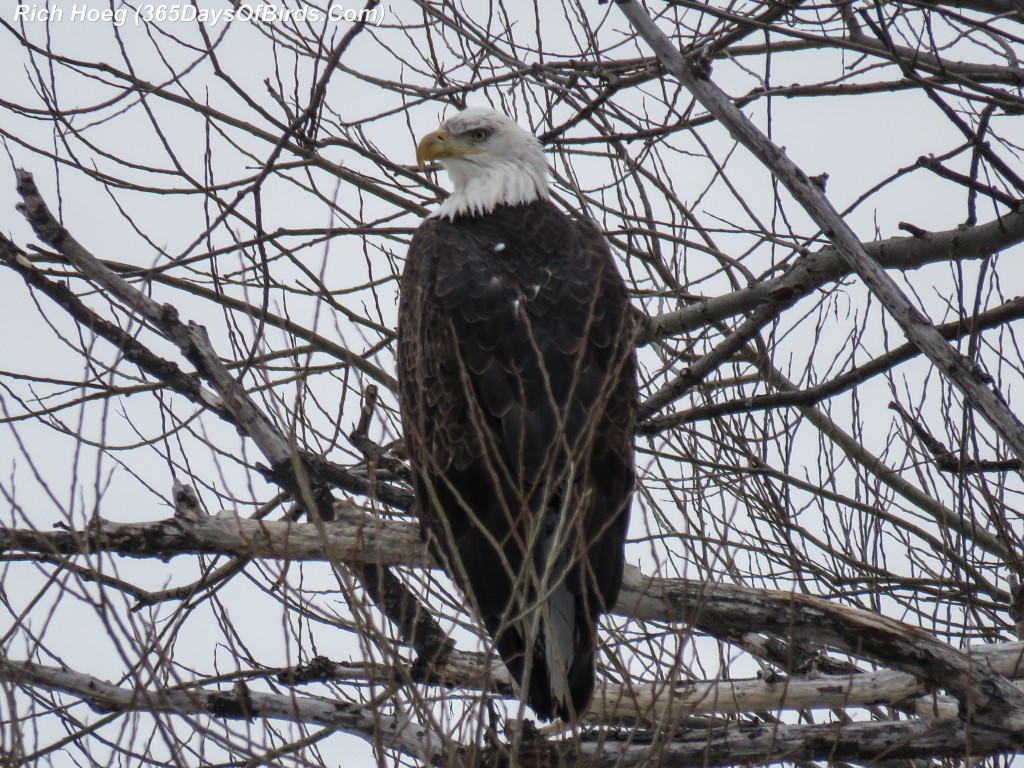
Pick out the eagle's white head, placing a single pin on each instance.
(491, 160)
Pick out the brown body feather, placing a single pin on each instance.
(516, 368)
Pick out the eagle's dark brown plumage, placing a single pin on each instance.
(517, 378)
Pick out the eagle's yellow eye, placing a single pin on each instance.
(479, 134)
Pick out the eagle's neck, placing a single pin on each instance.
(481, 186)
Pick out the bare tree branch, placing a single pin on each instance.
(968, 377)
(818, 579)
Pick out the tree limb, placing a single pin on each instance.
(722, 610)
(367, 723)
(813, 270)
(973, 383)
(734, 743)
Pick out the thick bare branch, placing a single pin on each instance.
(777, 742)
(367, 541)
(722, 608)
(814, 270)
(974, 383)
(239, 704)
(267, 191)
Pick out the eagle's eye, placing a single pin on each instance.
(480, 134)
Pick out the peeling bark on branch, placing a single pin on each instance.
(289, 467)
(719, 609)
(673, 702)
(395, 543)
(734, 743)
(776, 742)
(247, 226)
(363, 722)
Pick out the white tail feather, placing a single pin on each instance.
(559, 631)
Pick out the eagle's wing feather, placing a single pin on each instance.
(519, 402)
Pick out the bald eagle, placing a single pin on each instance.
(516, 370)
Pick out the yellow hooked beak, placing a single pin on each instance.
(440, 144)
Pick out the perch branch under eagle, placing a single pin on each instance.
(517, 376)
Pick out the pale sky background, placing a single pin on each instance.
(857, 142)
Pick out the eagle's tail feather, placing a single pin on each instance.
(561, 677)
(559, 633)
